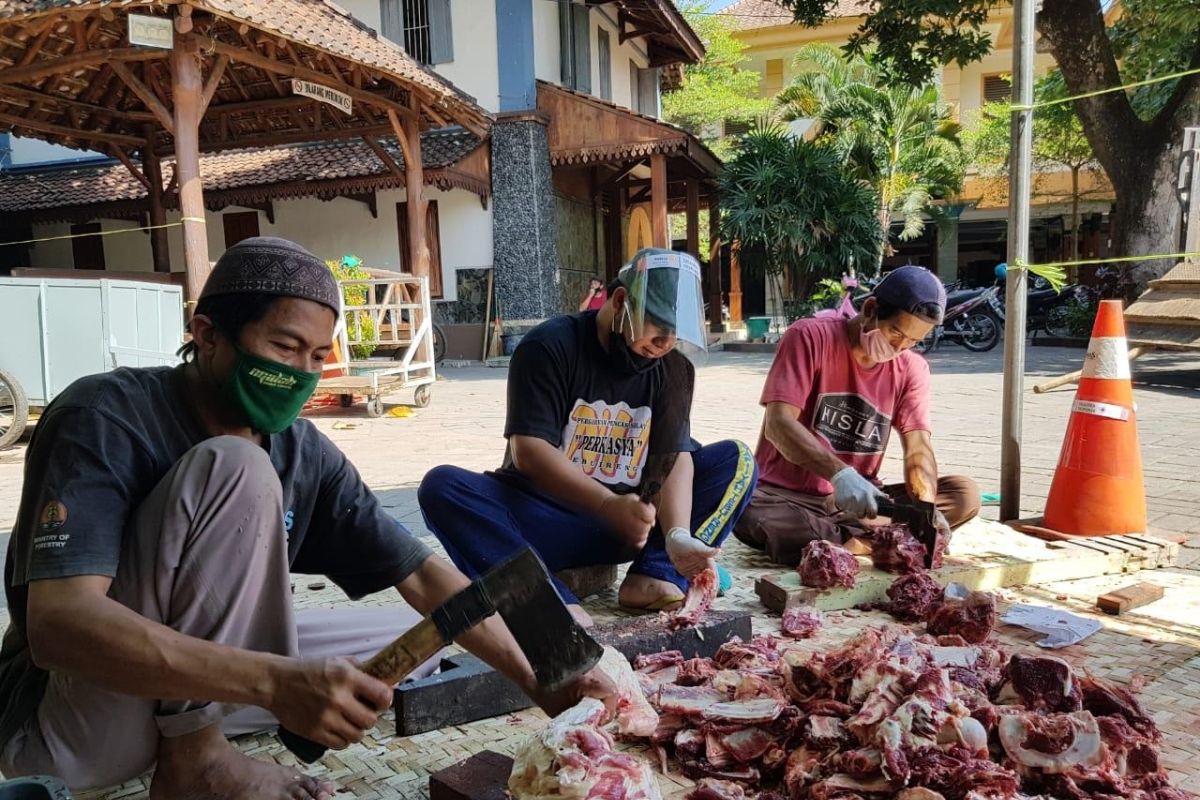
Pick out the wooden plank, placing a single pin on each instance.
(1129, 598)
(69, 133)
(987, 558)
(146, 95)
(483, 776)
(78, 61)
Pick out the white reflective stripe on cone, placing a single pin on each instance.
(1100, 409)
(1107, 357)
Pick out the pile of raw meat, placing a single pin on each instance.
(890, 714)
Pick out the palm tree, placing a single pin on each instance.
(796, 211)
(900, 139)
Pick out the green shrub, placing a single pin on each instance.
(349, 268)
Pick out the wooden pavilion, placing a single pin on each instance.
(226, 74)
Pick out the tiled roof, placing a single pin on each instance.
(751, 14)
(55, 187)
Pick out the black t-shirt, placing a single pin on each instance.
(105, 443)
(563, 388)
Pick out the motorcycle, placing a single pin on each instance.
(970, 320)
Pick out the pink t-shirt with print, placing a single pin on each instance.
(850, 408)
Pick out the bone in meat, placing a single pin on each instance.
(801, 622)
(1052, 746)
(1041, 683)
(895, 549)
(973, 618)
(912, 598)
(749, 712)
(635, 715)
(687, 700)
(696, 672)
(713, 789)
(702, 590)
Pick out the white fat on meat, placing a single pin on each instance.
(1085, 748)
(635, 715)
(572, 759)
(966, 731)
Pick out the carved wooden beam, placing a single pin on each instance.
(123, 157)
(77, 105)
(70, 133)
(146, 95)
(35, 44)
(79, 61)
(214, 80)
(384, 156)
(79, 32)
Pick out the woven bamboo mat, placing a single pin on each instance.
(1165, 652)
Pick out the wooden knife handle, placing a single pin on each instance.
(391, 665)
(396, 662)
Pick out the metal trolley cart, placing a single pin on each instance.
(56, 330)
(389, 314)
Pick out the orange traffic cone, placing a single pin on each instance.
(1097, 488)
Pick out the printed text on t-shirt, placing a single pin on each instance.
(851, 423)
(608, 442)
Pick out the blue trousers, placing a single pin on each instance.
(483, 519)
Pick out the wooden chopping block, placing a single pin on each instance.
(1129, 598)
(467, 689)
(483, 776)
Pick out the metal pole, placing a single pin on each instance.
(1021, 134)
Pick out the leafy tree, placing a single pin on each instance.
(1058, 143)
(901, 139)
(1135, 136)
(719, 87)
(797, 212)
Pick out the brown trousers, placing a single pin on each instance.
(782, 521)
(207, 556)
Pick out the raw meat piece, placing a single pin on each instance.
(651, 681)
(923, 715)
(712, 789)
(687, 701)
(973, 618)
(841, 785)
(914, 597)
(825, 564)
(801, 622)
(802, 676)
(956, 775)
(831, 708)
(727, 681)
(800, 767)
(635, 716)
(1103, 699)
(697, 769)
(1132, 753)
(919, 793)
(895, 549)
(715, 751)
(825, 733)
(1041, 683)
(702, 590)
(894, 686)
(760, 654)
(689, 743)
(754, 686)
(571, 758)
(696, 672)
(840, 666)
(891, 744)
(747, 744)
(1071, 739)
(668, 726)
(865, 761)
(746, 712)
(653, 662)
(966, 732)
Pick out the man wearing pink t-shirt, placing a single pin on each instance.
(836, 391)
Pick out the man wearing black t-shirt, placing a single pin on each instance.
(585, 392)
(147, 573)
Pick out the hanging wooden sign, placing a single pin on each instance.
(150, 31)
(325, 94)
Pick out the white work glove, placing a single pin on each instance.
(688, 554)
(855, 494)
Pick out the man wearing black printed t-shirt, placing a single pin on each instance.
(585, 391)
(148, 570)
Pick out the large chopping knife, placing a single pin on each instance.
(558, 649)
(919, 516)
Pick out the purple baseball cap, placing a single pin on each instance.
(915, 290)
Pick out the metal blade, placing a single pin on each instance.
(558, 649)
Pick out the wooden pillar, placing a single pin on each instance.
(660, 231)
(614, 232)
(693, 218)
(152, 169)
(716, 321)
(408, 131)
(735, 284)
(187, 88)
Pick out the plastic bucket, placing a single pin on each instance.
(757, 327)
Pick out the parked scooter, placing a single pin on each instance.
(970, 320)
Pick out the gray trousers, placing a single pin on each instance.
(206, 555)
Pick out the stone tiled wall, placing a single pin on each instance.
(580, 238)
(524, 229)
(471, 304)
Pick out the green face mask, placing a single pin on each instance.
(269, 394)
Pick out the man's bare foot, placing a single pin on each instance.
(204, 766)
(644, 593)
(582, 617)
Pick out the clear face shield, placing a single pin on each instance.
(664, 300)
